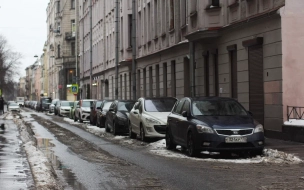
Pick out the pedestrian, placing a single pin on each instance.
(1, 105)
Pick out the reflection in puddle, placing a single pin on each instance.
(45, 145)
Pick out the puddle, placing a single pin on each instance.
(45, 145)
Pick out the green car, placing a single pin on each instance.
(72, 111)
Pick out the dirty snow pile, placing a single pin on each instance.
(269, 156)
(42, 171)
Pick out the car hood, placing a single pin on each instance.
(162, 116)
(86, 109)
(10, 107)
(220, 122)
(65, 107)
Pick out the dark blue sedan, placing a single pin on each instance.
(213, 124)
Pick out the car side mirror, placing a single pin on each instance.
(185, 114)
(250, 113)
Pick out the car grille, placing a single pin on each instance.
(160, 129)
(234, 132)
(235, 145)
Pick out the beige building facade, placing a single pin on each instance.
(61, 47)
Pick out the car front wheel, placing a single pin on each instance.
(75, 118)
(191, 147)
(80, 120)
(114, 129)
(170, 145)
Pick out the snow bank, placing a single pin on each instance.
(296, 122)
(269, 156)
(43, 173)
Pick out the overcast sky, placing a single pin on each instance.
(23, 24)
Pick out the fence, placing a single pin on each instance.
(295, 112)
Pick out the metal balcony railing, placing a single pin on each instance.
(70, 35)
(295, 112)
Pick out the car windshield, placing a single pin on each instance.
(217, 108)
(67, 104)
(98, 104)
(87, 103)
(47, 100)
(13, 104)
(107, 106)
(125, 106)
(159, 105)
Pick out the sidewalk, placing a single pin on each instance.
(286, 146)
(15, 172)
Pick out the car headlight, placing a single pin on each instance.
(204, 129)
(259, 129)
(152, 121)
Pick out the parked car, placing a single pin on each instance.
(45, 104)
(82, 111)
(94, 109)
(64, 108)
(57, 105)
(213, 124)
(148, 118)
(72, 110)
(117, 117)
(101, 114)
(52, 105)
(13, 106)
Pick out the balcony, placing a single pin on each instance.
(70, 36)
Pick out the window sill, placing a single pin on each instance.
(149, 42)
(184, 27)
(155, 38)
(193, 14)
(129, 48)
(212, 8)
(163, 35)
(171, 31)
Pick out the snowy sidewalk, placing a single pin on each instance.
(15, 172)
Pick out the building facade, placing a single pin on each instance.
(61, 47)
(228, 48)
(22, 87)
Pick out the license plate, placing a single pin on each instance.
(236, 139)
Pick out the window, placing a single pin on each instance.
(73, 49)
(183, 12)
(186, 106)
(233, 72)
(150, 82)
(206, 74)
(173, 79)
(144, 82)
(171, 27)
(179, 106)
(157, 80)
(138, 83)
(130, 30)
(58, 7)
(58, 50)
(155, 18)
(72, 4)
(165, 79)
(193, 7)
(215, 3)
(149, 28)
(73, 28)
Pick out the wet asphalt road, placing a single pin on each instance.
(15, 172)
(183, 173)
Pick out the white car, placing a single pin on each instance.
(13, 106)
(148, 118)
(83, 110)
(64, 108)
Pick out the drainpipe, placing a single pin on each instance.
(133, 50)
(192, 67)
(91, 47)
(116, 48)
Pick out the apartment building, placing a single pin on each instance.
(22, 87)
(61, 47)
(231, 48)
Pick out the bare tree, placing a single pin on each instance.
(9, 62)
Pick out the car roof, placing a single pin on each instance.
(157, 98)
(210, 98)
